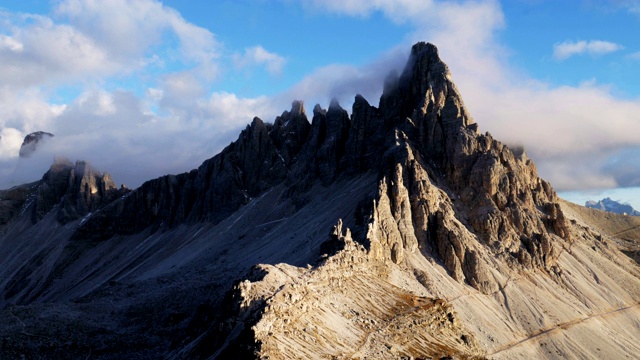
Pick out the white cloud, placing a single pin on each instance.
(128, 28)
(258, 55)
(115, 133)
(41, 52)
(632, 6)
(90, 40)
(343, 82)
(634, 56)
(568, 48)
(398, 10)
(11, 44)
(86, 43)
(20, 114)
(10, 140)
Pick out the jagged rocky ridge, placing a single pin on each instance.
(449, 245)
(444, 188)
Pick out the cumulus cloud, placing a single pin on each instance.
(128, 28)
(88, 40)
(568, 48)
(174, 126)
(39, 52)
(171, 128)
(11, 44)
(343, 82)
(258, 55)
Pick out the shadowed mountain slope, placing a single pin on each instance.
(397, 231)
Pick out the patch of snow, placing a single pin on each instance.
(84, 219)
(271, 222)
(197, 232)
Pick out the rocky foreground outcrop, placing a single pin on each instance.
(445, 243)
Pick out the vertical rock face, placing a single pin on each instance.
(333, 132)
(452, 192)
(78, 190)
(290, 130)
(366, 139)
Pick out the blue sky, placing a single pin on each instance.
(144, 88)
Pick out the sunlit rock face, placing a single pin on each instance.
(74, 190)
(399, 231)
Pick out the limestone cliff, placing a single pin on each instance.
(399, 231)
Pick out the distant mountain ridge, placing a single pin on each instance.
(607, 204)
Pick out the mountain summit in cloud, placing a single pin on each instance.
(397, 231)
(31, 141)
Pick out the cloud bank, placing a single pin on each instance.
(170, 124)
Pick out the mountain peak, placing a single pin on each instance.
(420, 134)
(610, 205)
(397, 231)
(76, 189)
(427, 53)
(31, 141)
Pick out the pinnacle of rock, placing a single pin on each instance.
(31, 141)
(461, 196)
(77, 188)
